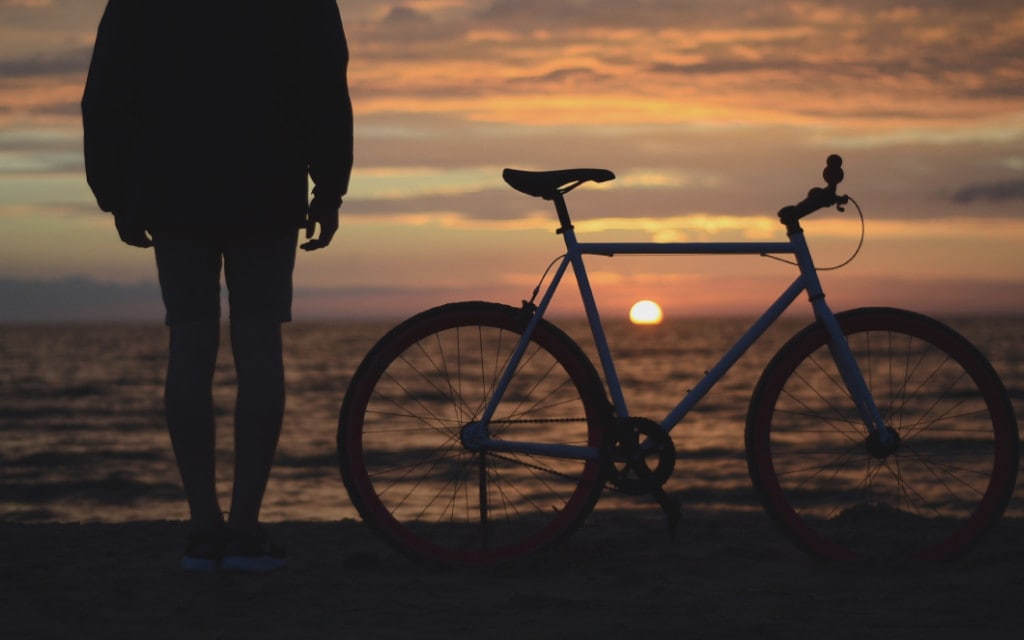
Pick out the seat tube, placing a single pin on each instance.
(590, 307)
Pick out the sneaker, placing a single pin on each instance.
(203, 551)
(252, 552)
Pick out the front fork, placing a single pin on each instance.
(882, 439)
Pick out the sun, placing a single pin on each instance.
(646, 312)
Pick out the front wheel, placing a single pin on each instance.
(405, 431)
(838, 495)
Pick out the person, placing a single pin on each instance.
(204, 123)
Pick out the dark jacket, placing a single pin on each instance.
(214, 112)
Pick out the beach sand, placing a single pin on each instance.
(727, 574)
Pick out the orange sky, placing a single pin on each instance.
(712, 114)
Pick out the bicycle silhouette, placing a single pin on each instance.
(477, 432)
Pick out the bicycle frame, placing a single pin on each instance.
(807, 281)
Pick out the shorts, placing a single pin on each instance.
(258, 270)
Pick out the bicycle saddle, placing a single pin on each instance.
(546, 184)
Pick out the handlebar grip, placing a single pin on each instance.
(833, 172)
(818, 197)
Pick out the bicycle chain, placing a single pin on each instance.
(538, 420)
(650, 480)
(548, 470)
(538, 467)
(609, 483)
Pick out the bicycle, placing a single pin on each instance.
(476, 432)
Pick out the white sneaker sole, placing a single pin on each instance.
(199, 565)
(252, 564)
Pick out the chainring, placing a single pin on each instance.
(628, 466)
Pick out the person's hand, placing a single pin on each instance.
(327, 219)
(131, 232)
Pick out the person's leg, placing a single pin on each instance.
(258, 270)
(259, 412)
(190, 416)
(189, 265)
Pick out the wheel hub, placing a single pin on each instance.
(472, 436)
(878, 448)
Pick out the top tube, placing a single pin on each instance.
(683, 248)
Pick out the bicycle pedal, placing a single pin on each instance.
(671, 508)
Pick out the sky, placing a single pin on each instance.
(713, 114)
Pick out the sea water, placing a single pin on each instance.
(83, 438)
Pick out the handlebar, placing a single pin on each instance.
(818, 197)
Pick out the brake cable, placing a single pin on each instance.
(856, 251)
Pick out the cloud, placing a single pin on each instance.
(725, 61)
(718, 108)
(31, 4)
(73, 61)
(77, 299)
(990, 192)
(655, 61)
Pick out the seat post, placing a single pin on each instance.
(563, 212)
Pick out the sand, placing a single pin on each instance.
(728, 574)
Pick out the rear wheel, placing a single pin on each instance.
(413, 473)
(839, 495)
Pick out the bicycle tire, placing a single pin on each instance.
(415, 482)
(936, 496)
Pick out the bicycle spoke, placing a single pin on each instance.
(935, 493)
(401, 435)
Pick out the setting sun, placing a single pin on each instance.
(645, 312)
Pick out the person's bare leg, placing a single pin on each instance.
(190, 418)
(259, 412)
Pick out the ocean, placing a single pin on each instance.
(83, 435)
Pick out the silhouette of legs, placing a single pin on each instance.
(259, 412)
(189, 408)
(257, 268)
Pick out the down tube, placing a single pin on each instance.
(734, 354)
